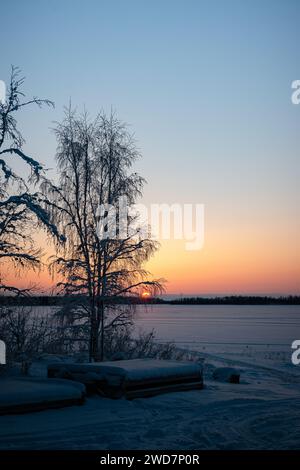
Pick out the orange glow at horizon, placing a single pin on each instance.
(239, 260)
(235, 260)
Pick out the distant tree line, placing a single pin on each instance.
(236, 300)
(133, 300)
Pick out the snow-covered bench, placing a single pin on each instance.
(133, 378)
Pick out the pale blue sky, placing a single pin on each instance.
(205, 85)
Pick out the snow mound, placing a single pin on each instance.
(145, 369)
(135, 369)
(19, 395)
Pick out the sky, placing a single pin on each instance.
(206, 88)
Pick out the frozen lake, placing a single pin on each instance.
(260, 334)
(197, 325)
(256, 332)
(222, 324)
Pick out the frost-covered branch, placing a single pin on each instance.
(21, 210)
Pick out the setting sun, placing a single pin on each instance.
(145, 295)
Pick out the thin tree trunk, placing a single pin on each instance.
(102, 331)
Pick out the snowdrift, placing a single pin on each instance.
(23, 395)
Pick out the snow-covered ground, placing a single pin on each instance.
(262, 412)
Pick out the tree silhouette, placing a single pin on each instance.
(94, 162)
(20, 208)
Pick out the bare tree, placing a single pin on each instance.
(29, 333)
(20, 208)
(94, 162)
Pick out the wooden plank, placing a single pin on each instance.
(149, 392)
